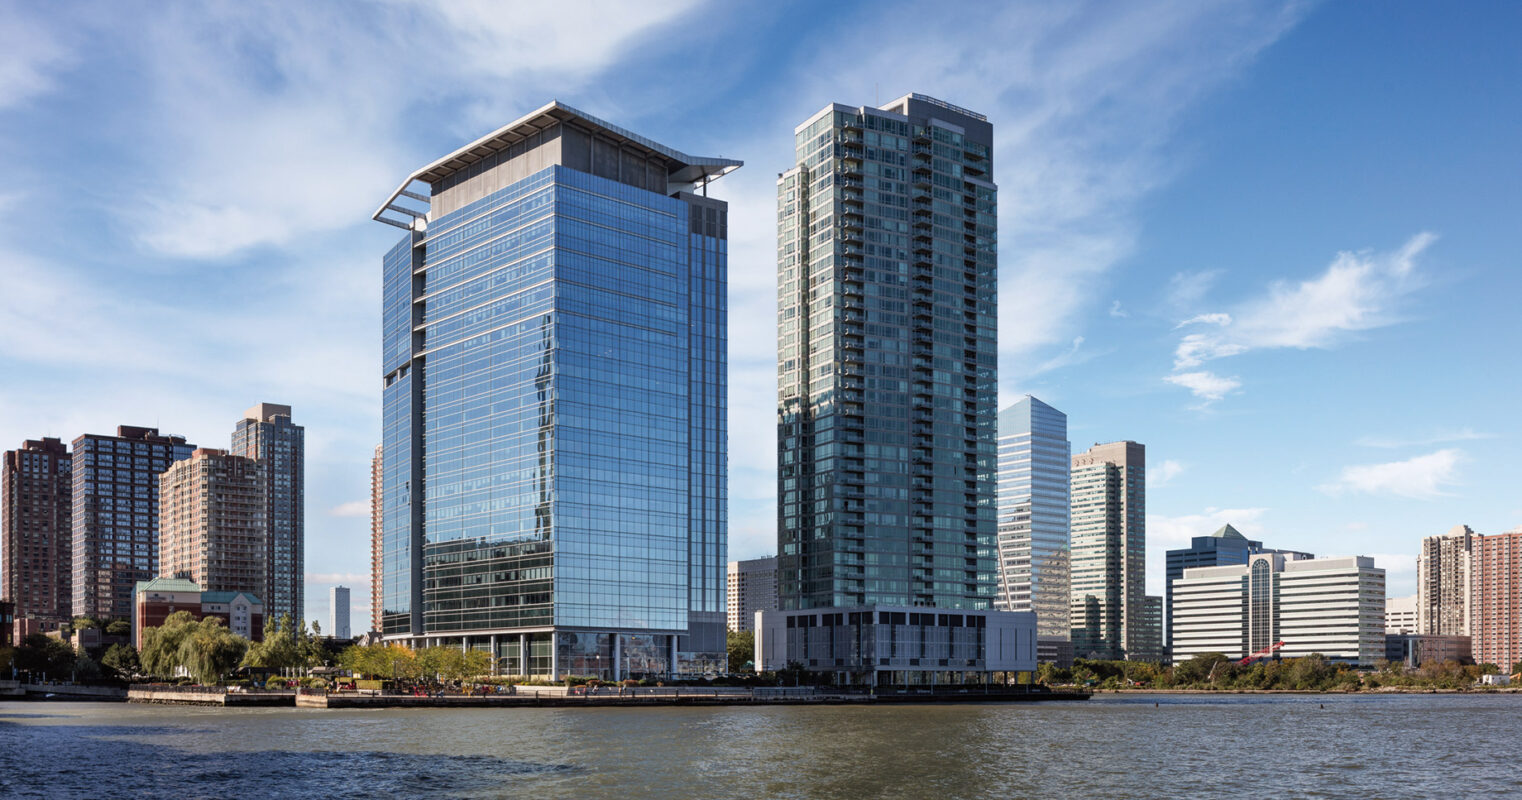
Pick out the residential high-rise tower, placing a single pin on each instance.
(211, 522)
(266, 433)
(338, 612)
(1034, 473)
(554, 407)
(887, 359)
(1109, 543)
(116, 515)
(1444, 580)
(887, 392)
(751, 587)
(36, 549)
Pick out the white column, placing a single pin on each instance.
(618, 668)
(494, 654)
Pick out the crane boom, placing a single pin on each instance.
(1264, 653)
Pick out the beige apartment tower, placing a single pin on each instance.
(377, 541)
(211, 522)
(1443, 581)
(1108, 616)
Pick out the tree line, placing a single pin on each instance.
(1310, 673)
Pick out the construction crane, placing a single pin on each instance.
(1264, 653)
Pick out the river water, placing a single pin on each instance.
(1390, 746)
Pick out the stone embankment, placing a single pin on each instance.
(15, 690)
(207, 696)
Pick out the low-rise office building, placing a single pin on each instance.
(902, 645)
(1292, 608)
(155, 600)
(1401, 615)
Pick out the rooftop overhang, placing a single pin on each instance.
(403, 210)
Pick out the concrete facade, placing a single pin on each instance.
(1331, 606)
(750, 586)
(1109, 541)
(1443, 577)
(1401, 615)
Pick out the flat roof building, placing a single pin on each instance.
(1033, 491)
(554, 404)
(1331, 606)
(266, 433)
(1109, 543)
(211, 522)
(751, 586)
(116, 516)
(36, 530)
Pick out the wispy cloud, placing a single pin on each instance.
(1357, 292)
(1205, 385)
(1118, 312)
(353, 508)
(29, 54)
(1422, 477)
(1436, 437)
(1395, 563)
(1164, 473)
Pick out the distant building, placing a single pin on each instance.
(377, 539)
(1109, 543)
(211, 522)
(266, 433)
(1495, 620)
(1443, 576)
(7, 623)
(155, 600)
(1400, 615)
(751, 586)
(338, 613)
(1416, 649)
(36, 530)
(1033, 501)
(1225, 547)
(1331, 606)
(116, 516)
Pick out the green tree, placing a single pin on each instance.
(121, 659)
(161, 645)
(211, 650)
(82, 623)
(119, 627)
(41, 654)
(279, 650)
(742, 651)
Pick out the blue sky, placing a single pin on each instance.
(1276, 243)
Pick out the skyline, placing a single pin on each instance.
(1165, 207)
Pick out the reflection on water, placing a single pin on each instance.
(1204, 746)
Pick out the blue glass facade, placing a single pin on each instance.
(554, 451)
(1034, 459)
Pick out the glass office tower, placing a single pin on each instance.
(1034, 464)
(887, 359)
(553, 470)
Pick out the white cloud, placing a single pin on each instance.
(1117, 311)
(1357, 292)
(1163, 473)
(353, 508)
(1221, 319)
(1395, 563)
(29, 53)
(1205, 385)
(1436, 437)
(350, 579)
(1422, 477)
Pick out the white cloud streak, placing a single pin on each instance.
(353, 508)
(1422, 477)
(1164, 473)
(1357, 292)
(1437, 437)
